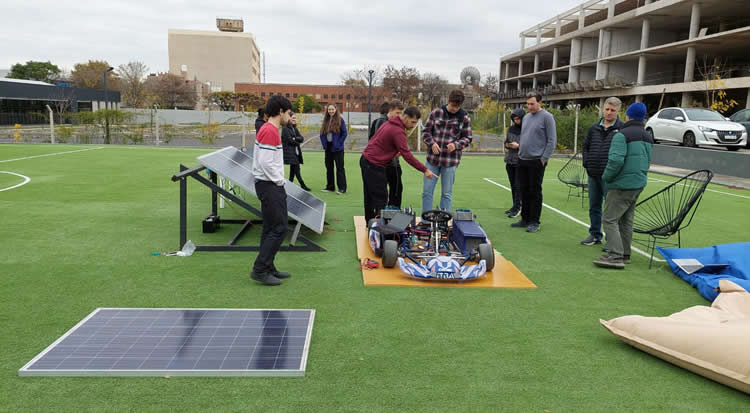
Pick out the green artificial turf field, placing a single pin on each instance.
(80, 235)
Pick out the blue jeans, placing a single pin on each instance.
(597, 194)
(447, 176)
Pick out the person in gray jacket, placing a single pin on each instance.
(511, 160)
(538, 141)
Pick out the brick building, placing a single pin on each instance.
(352, 99)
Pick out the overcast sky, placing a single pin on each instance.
(304, 41)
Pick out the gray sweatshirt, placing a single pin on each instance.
(538, 136)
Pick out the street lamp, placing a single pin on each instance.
(369, 101)
(106, 105)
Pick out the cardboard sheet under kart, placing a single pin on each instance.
(503, 275)
(720, 262)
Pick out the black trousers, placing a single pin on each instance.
(294, 170)
(515, 185)
(373, 184)
(338, 159)
(531, 176)
(273, 209)
(393, 174)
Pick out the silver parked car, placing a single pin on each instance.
(696, 126)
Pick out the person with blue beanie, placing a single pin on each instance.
(626, 175)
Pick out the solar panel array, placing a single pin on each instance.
(237, 166)
(175, 342)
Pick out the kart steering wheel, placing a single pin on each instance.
(437, 216)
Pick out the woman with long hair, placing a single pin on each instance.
(332, 136)
(290, 140)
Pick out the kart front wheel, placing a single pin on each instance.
(487, 254)
(390, 253)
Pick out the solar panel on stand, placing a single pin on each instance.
(237, 166)
(180, 342)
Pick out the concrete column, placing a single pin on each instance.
(639, 98)
(536, 62)
(695, 20)
(554, 78)
(685, 99)
(611, 9)
(581, 17)
(649, 1)
(520, 67)
(555, 57)
(575, 58)
(558, 27)
(642, 61)
(505, 87)
(747, 103)
(645, 33)
(601, 106)
(523, 42)
(689, 64)
(507, 70)
(539, 36)
(533, 85)
(519, 84)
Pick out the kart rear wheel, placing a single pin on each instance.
(390, 253)
(487, 254)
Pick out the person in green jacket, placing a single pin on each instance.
(625, 177)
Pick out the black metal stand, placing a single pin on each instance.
(194, 173)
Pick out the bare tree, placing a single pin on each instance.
(404, 82)
(170, 91)
(132, 86)
(713, 71)
(63, 100)
(489, 87)
(432, 87)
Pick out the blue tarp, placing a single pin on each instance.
(736, 255)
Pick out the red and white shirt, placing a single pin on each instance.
(268, 155)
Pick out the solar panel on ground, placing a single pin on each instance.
(180, 342)
(237, 166)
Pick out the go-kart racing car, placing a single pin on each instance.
(440, 246)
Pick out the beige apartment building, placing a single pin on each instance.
(221, 58)
(655, 51)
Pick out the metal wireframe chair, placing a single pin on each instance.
(573, 174)
(670, 210)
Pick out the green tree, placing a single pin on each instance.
(309, 104)
(91, 75)
(31, 70)
(225, 100)
(250, 101)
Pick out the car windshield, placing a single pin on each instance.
(704, 115)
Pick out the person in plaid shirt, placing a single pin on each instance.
(446, 134)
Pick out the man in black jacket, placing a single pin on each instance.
(595, 154)
(393, 171)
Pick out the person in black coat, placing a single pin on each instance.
(595, 157)
(512, 139)
(260, 120)
(291, 140)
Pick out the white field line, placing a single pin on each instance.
(707, 189)
(576, 220)
(26, 180)
(51, 154)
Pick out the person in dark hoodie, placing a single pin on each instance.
(377, 123)
(512, 140)
(446, 133)
(261, 119)
(389, 142)
(291, 139)
(595, 154)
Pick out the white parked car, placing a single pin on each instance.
(696, 126)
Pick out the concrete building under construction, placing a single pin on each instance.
(657, 51)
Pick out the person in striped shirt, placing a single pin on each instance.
(268, 173)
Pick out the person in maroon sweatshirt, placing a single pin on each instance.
(388, 142)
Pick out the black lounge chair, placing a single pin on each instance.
(573, 174)
(670, 210)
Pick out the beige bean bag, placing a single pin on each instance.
(711, 341)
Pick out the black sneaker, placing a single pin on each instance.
(507, 212)
(610, 261)
(591, 240)
(265, 278)
(340, 192)
(281, 275)
(520, 224)
(306, 188)
(514, 213)
(532, 228)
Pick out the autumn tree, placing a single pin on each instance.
(489, 87)
(404, 82)
(170, 91)
(250, 101)
(132, 88)
(714, 70)
(31, 70)
(432, 87)
(91, 75)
